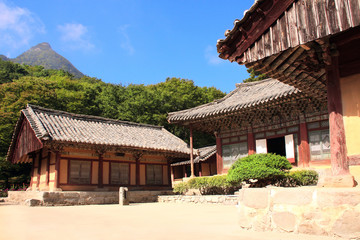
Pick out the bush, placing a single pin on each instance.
(206, 185)
(265, 168)
(181, 188)
(301, 178)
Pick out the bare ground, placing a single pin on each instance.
(137, 221)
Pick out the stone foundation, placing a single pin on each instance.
(213, 199)
(308, 210)
(69, 198)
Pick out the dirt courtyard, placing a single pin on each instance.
(137, 221)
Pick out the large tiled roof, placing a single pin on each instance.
(246, 95)
(204, 154)
(63, 127)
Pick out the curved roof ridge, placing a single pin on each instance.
(90, 117)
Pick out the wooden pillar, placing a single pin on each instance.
(172, 174)
(137, 160)
(101, 170)
(219, 160)
(32, 170)
(339, 161)
(48, 168)
(191, 153)
(304, 148)
(184, 171)
(39, 168)
(251, 142)
(57, 170)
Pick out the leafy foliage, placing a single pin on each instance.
(265, 168)
(300, 178)
(57, 89)
(254, 76)
(206, 185)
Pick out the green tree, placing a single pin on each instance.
(254, 76)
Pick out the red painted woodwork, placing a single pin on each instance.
(354, 160)
(172, 174)
(251, 143)
(26, 142)
(191, 153)
(100, 173)
(169, 173)
(339, 160)
(219, 160)
(48, 168)
(262, 21)
(39, 168)
(57, 170)
(304, 148)
(137, 171)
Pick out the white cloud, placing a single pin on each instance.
(18, 26)
(125, 42)
(76, 36)
(212, 56)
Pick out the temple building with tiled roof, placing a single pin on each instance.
(263, 116)
(313, 46)
(79, 152)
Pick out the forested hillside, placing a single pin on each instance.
(57, 89)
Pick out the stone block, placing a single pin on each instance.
(284, 220)
(308, 227)
(348, 225)
(341, 181)
(293, 196)
(32, 202)
(329, 197)
(255, 197)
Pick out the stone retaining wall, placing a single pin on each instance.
(214, 199)
(68, 198)
(318, 211)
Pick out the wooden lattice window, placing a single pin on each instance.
(80, 172)
(319, 144)
(232, 152)
(119, 173)
(154, 175)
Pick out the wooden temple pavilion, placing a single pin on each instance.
(204, 165)
(74, 152)
(263, 116)
(313, 46)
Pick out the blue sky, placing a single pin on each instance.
(129, 41)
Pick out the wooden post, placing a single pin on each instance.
(32, 170)
(48, 168)
(304, 148)
(57, 170)
(339, 161)
(137, 159)
(191, 153)
(184, 171)
(219, 160)
(172, 174)
(100, 172)
(39, 169)
(251, 142)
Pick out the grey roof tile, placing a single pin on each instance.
(245, 95)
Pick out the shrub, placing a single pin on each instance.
(265, 168)
(181, 188)
(206, 185)
(301, 178)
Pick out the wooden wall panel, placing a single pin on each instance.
(142, 174)
(106, 173)
(63, 171)
(132, 174)
(165, 175)
(95, 172)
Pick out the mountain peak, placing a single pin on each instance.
(42, 54)
(42, 46)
